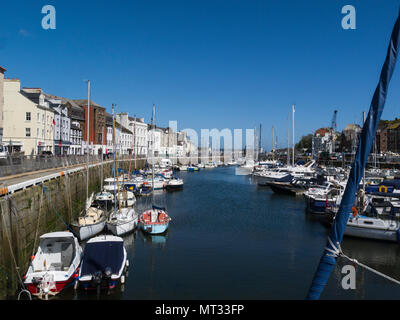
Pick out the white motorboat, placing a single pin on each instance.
(55, 264)
(372, 228)
(104, 263)
(175, 184)
(245, 169)
(110, 184)
(158, 183)
(183, 168)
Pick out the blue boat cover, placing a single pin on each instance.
(98, 256)
(368, 134)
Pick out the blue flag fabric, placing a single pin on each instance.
(367, 137)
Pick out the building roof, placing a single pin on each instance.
(322, 132)
(2, 70)
(84, 102)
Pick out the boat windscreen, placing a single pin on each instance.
(100, 255)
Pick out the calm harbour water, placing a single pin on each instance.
(229, 239)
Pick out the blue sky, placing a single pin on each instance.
(208, 64)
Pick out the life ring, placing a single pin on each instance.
(383, 188)
(355, 212)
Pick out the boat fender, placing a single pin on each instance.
(354, 211)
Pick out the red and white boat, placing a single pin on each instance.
(155, 220)
(55, 265)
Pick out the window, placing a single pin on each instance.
(37, 132)
(28, 132)
(28, 116)
(38, 117)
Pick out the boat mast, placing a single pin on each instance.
(87, 139)
(102, 168)
(273, 149)
(152, 147)
(293, 134)
(288, 149)
(115, 166)
(367, 158)
(134, 139)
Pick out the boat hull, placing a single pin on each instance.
(59, 285)
(86, 232)
(119, 229)
(367, 233)
(154, 228)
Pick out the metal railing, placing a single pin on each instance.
(14, 165)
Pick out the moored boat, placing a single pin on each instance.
(175, 184)
(155, 220)
(55, 264)
(122, 221)
(104, 263)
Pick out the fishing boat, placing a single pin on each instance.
(175, 184)
(54, 266)
(155, 220)
(104, 263)
(91, 222)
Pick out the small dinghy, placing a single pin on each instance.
(155, 220)
(55, 264)
(175, 184)
(122, 221)
(104, 263)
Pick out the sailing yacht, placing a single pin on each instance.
(155, 220)
(123, 219)
(93, 220)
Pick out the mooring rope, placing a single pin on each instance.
(337, 252)
(57, 214)
(10, 245)
(38, 223)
